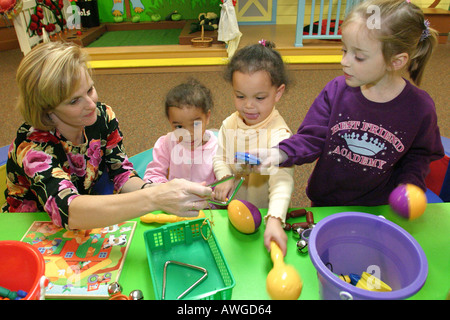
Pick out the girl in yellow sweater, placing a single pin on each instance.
(258, 77)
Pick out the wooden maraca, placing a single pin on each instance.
(283, 282)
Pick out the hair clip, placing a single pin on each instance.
(262, 42)
(425, 32)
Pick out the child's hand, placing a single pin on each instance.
(275, 232)
(244, 168)
(268, 157)
(221, 191)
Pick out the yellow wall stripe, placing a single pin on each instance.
(141, 63)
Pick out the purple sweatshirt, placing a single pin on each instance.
(364, 149)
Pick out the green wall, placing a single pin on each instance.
(189, 9)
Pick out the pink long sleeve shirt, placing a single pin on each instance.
(172, 160)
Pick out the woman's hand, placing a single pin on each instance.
(180, 197)
(275, 232)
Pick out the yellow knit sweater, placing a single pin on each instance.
(272, 191)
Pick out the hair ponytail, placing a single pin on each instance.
(422, 55)
(261, 56)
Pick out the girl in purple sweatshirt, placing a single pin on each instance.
(370, 129)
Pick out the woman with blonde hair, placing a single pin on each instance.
(68, 140)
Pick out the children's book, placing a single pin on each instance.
(81, 263)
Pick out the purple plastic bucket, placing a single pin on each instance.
(354, 242)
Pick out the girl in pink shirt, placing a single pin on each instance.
(188, 150)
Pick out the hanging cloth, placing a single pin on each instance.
(228, 30)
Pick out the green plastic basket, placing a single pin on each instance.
(183, 242)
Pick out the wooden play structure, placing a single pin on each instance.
(314, 53)
(84, 36)
(88, 35)
(439, 19)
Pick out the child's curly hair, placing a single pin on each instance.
(189, 94)
(258, 57)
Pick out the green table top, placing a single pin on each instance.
(250, 262)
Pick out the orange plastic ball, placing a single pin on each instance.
(244, 216)
(408, 201)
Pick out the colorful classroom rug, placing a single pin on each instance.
(137, 38)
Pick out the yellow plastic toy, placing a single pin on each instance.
(244, 216)
(366, 281)
(168, 218)
(372, 283)
(408, 201)
(283, 281)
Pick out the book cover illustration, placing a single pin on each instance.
(81, 263)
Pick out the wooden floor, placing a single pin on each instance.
(314, 53)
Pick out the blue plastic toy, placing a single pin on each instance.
(12, 295)
(247, 158)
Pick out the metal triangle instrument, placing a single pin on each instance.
(205, 274)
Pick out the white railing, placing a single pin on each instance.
(325, 12)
